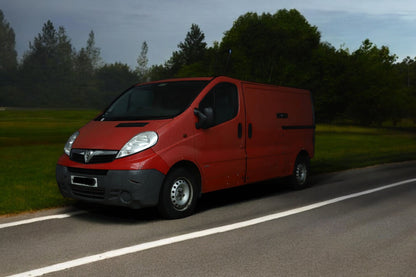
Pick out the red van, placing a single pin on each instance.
(165, 143)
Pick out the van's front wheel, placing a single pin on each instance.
(301, 173)
(178, 195)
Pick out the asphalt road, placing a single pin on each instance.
(313, 232)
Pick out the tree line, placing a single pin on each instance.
(367, 86)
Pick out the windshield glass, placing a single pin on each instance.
(154, 101)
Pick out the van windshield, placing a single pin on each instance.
(153, 101)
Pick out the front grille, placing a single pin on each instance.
(87, 171)
(86, 156)
(94, 193)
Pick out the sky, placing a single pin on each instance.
(121, 26)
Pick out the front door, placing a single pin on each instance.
(221, 147)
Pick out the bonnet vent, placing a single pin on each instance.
(132, 124)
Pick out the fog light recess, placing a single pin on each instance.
(125, 197)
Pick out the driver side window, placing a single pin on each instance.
(223, 99)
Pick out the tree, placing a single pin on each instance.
(92, 51)
(83, 66)
(50, 51)
(64, 54)
(142, 60)
(191, 50)
(8, 54)
(88, 59)
(407, 72)
(330, 83)
(48, 67)
(8, 63)
(159, 72)
(86, 63)
(374, 83)
(407, 69)
(274, 48)
(112, 80)
(44, 45)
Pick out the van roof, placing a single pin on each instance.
(288, 89)
(178, 80)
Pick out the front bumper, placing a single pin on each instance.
(129, 188)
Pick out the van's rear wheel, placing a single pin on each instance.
(179, 194)
(301, 173)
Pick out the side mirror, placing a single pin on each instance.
(206, 118)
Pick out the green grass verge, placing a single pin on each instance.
(31, 142)
(345, 147)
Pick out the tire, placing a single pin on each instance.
(179, 194)
(300, 178)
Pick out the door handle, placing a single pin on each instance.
(250, 130)
(240, 130)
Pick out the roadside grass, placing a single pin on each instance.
(345, 147)
(40, 127)
(27, 178)
(31, 142)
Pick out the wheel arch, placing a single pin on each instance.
(192, 168)
(303, 153)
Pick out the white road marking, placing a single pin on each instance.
(37, 219)
(162, 242)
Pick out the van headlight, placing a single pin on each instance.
(68, 145)
(138, 143)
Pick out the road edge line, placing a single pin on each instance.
(37, 219)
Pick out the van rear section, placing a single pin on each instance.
(165, 143)
(280, 128)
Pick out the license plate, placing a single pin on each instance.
(84, 181)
